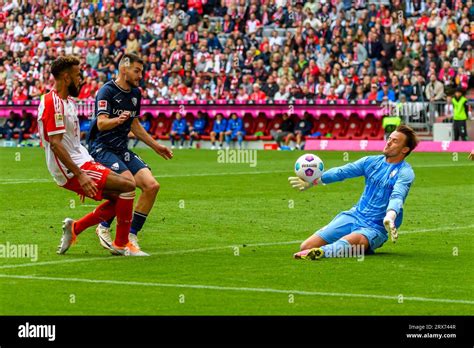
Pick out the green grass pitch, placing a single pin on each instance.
(222, 238)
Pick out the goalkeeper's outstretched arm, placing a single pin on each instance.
(350, 170)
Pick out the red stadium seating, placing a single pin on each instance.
(249, 127)
(274, 124)
(354, 128)
(163, 127)
(373, 128)
(339, 126)
(325, 125)
(261, 123)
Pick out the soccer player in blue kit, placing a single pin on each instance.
(380, 209)
(117, 111)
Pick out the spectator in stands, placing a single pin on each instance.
(386, 94)
(286, 127)
(235, 130)
(218, 131)
(257, 94)
(179, 129)
(373, 93)
(270, 88)
(302, 129)
(434, 90)
(197, 129)
(418, 91)
(23, 126)
(10, 125)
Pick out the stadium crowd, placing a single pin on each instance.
(413, 50)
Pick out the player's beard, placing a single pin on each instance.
(73, 90)
(132, 83)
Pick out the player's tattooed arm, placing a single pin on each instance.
(143, 135)
(105, 123)
(87, 184)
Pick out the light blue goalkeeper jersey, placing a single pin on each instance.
(386, 187)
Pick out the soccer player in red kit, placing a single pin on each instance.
(74, 169)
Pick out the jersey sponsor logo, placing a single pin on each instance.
(134, 101)
(119, 111)
(59, 120)
(102, 105)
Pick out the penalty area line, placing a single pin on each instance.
(238, 289)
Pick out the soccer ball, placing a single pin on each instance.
(309, 167)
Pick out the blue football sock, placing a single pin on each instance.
(137, 222)
(339, 248)
(108, 223)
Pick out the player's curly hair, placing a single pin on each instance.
(63, 63)
(412, 139)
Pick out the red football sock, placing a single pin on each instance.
(124, 212)
(103, 212)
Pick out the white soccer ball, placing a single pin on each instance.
(309, 167)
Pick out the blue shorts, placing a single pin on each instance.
(348, 222)
(120, 162)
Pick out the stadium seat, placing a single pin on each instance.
(354, 128)
(249, 126)
(339, 126)
(261, 123)
(153, 125)
(375, 130)
(163, 127)
(274, 124)
(324, 125)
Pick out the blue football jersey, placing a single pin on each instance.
(386, 186)
(111, 100)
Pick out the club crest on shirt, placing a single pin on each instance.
(393, 173)
(134, 101)
(102, 105)
(59, 120)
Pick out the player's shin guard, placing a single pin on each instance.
(124, 212)
(103, 212)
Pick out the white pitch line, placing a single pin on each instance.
(171, 252)
(11, 181)
(34, 181)
(437, 229)
(241, 289)
(187, 251)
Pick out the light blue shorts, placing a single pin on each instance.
(347, 222)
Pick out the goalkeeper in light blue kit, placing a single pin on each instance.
(379, 211)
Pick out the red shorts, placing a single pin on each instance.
(96, 172)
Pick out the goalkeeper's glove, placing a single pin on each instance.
(300, 184)
(389, 223)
